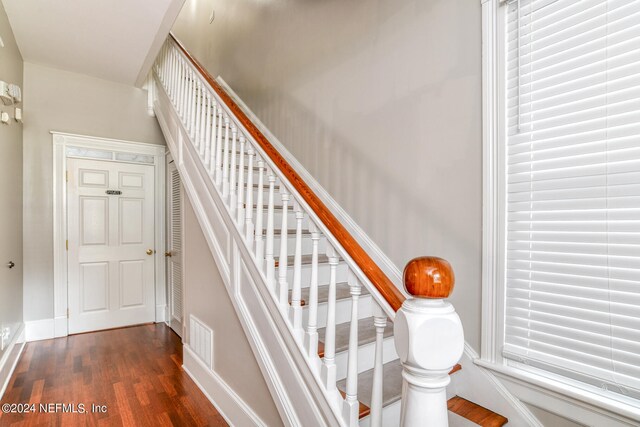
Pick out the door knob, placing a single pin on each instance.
(11, 264)
(149, 251)
(168, 254)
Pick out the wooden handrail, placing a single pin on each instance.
(382, 283)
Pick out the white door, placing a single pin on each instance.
(174, 249)
(110, 214)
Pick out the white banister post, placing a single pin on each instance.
(351, 407)
(429, 340)
(311, 335)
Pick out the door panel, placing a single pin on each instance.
(131, 283)
(94, 286)
(94, 224)
(131, 221)
(111, 276)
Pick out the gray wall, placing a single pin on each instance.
(74, 103)
(380, 100)
(548, 419)
(206, 298)
(10, 190)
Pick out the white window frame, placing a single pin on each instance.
(562, 396)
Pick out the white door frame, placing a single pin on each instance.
(90, 147)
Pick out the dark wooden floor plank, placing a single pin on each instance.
(136, 372)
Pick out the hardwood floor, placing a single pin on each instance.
(135, 372)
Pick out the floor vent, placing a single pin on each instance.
(201, 340)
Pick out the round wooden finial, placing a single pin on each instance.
(428, 277)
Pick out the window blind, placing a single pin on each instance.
(572, 303)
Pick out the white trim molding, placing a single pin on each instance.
(231, 406)
(10, 358)
(573, 401)
(121, 150)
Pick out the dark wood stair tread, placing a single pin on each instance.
(475, 413)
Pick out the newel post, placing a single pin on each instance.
(429, 340)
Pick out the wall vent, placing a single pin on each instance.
(201, 340)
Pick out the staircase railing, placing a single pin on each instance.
(250, 174)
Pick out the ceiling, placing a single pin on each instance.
(115, 40)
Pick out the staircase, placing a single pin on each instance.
(318, 311)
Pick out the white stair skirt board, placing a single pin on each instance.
(234, 410)
(10, 359)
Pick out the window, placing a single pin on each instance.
(568, 219)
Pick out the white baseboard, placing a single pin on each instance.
(10, 359)
(232, 408)
(36, 330)
(161, 313)
(60, 326)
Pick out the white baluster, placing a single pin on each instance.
(240, 203)
(197, 110)
(173, 79)
(218, 163)
(283, 259)
(248, 212)
(214, 139)
(311, 336)
(202, 101)
(185, 107)
(225, 159)
(192, 105)
(422, 323)
(269, 261)
(329, 359)
(259, 214)
(380, 323)
(296, 292)
(205, 151)
(183, 91)
(351, 405)
(173, 76)
(233, 172)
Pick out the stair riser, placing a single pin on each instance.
(277, 219)
(323, 274)
(390, 416)
(307, 245)
(366, 357)
(343, 311)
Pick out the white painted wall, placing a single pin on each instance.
(74, 103)
(10, 191)
(380, 100)
(551, 420)
(206, 297)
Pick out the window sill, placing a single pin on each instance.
(576, 403)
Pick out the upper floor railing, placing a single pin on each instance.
(277, 212)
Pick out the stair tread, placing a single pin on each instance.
(391, 384)
(342, 292)
(305, 260)
(291, 232)
(475, 413)
(366, 334)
